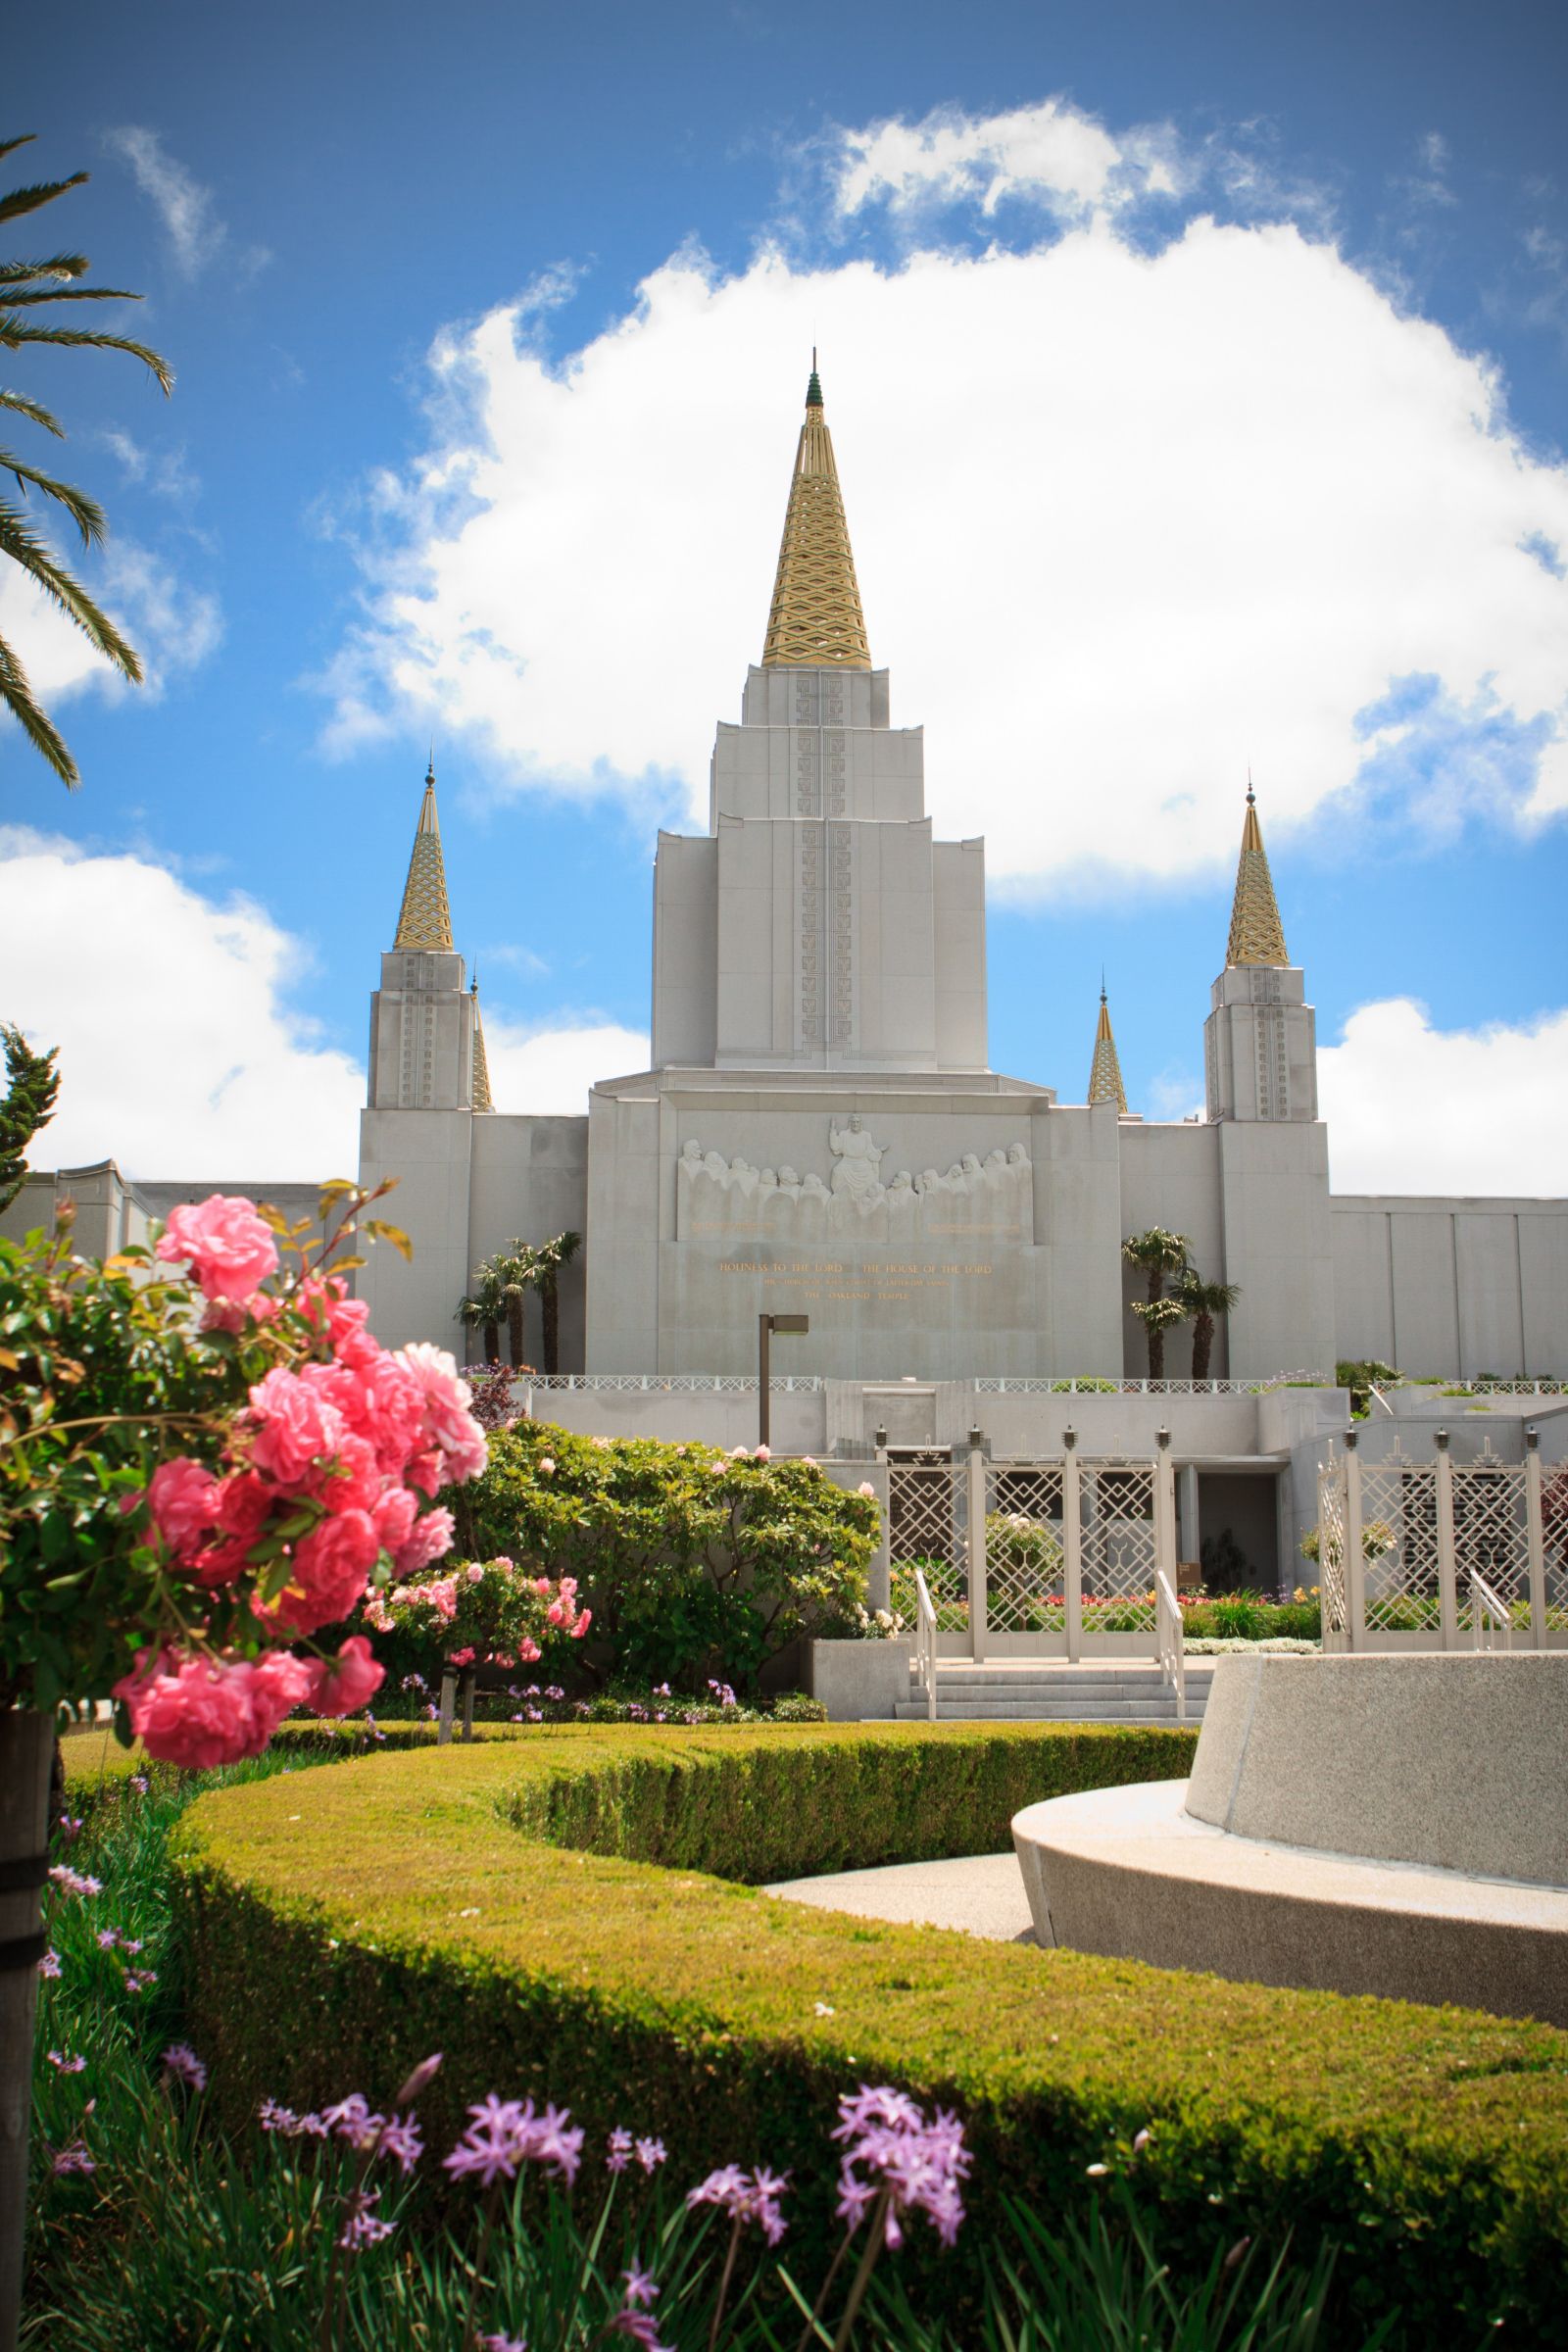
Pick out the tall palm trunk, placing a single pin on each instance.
(550, 1323)
(1157, 1349)
(1203, 1343)
(515, 1328)
(492, 1343)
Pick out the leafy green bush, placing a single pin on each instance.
(696, 1564)
(498, 1902)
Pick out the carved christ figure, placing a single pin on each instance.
(857, 1161)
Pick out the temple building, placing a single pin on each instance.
(820, 1130)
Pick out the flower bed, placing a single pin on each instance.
(537, 1905)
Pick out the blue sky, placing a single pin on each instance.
(1197, 376)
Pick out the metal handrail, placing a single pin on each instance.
(1485, 1603)
(925, 1643)
(1169, 1637)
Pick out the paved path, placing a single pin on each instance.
(982, 1893)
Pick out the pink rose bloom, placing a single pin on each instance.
(345, 1683)
(528, 1650)
(500, 1561)
(427, 1471)
(193, 1712)
(231, 1251)
(393, 1516)
(763, 1454)
(353, 1482)
(430, 1540)
(546, 1464)
(182, 1499)
(867, 1489)
(543, 1587)
(294, 1426)
(475, 1573)
(584, 1621)
(461, 1657)
(329, 1571)
(717, 1470)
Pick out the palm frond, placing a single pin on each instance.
(18, 201)
(34, 411)
(84, 512)
(58, 265)
(33, 720)
(22, 139)
(14, 297)
(13, 332)
(22, 543)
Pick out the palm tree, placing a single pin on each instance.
(549, 1261)
(23, 285)
(1157, 1316)
(514, 1265)
(1204, 1301)
(484, 1308)
(1158, 1253)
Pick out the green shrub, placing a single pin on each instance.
(499, 1902)
(696, 1564)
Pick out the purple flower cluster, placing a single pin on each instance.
(65, 2064)
(49, 1965)
(181, 2061)
(137, 1980)
(893, 2155)
(394, 2137)
(746, 2198)
(363, 2226)
(110, 1940)
(723, 1693)
(74, 1881)
(505, 2133)
(650, 2153)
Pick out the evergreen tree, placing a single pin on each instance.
(32, 1084)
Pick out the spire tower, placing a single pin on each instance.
(424, 925)
(1105, 1071)
(815, 621)
(482, 1061)
(1257, 935)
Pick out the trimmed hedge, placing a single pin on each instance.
(537, 1908)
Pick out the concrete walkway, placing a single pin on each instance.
(981, 1893)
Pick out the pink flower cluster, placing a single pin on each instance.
(504, 2134)
(894, 2158)
(746, 2198)
(319, 1484)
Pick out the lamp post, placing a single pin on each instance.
(766, 1325)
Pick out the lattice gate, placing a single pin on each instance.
(1436, 1555)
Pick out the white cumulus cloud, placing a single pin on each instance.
(179, 1053)
(1125, 520)
(548, 1066)
(173, 624)
(1412, 1108)
(187, 209)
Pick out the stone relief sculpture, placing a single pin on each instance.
(993, 1196)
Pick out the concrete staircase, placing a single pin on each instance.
(1041, 1690)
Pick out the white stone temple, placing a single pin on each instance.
(821, 1131)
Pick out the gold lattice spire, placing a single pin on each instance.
(482, 1061)
(425, 922)
(816, 618)
(1105, 1071)
(1257, 935)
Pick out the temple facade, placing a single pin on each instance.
(820, 1130)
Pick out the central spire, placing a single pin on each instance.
(1257, 936)
(815, 621)
(424, 925)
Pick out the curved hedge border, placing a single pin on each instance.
(534, 1907)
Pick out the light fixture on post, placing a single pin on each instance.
(766, 1325)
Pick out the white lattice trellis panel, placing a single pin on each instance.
(1119, 1548)
(1025, 1563)
(927, 1505)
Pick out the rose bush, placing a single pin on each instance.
(199, 1473)
(495, 1612)
(696, 1564)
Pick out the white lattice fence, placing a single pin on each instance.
(1332, 1595)
(927, 1520)
(1120, 1546)
(1025, 1551)
(1490, 1538)
(1400, 1545)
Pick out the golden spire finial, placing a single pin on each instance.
(425, 921)
(482, 1061)
(815, 620)
(1257, 935)
(1105, 1071)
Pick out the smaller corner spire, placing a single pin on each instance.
(482, 1061)
(424, 920)
(1257, 936)
(1105, 1071)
